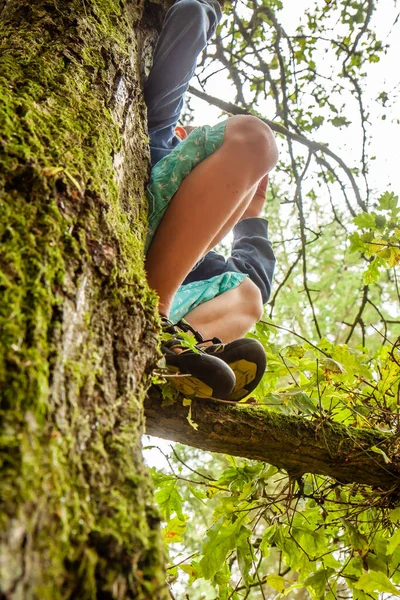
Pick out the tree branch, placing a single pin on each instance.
(291, 443)
(233, 109)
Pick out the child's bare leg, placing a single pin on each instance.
(233, 219)
(230, 315)
(202, 210)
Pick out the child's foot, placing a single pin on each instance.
(203, 375)
(246, 357)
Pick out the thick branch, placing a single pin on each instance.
(291, 443)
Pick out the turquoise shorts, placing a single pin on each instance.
(192, 294)
(166, 177)
(168, 174)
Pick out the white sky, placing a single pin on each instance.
(385, 75)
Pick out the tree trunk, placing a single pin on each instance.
(77, 336)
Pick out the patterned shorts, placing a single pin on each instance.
(166, 177)
(168, 174)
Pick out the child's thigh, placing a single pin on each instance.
(191, 295)
(168, 174)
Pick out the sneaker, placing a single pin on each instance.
(246, 357)
(204, 375)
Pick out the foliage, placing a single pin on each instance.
(381, 241)
(331, 331)
(319, 536)
(290, 532)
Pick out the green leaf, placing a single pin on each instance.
(222, 578)
(291, 552)
(299, 400)
(357, 244)
(197, 492)
(293, 351)
(277, 582)
(365, 220)
(393, 542)
(376, 562)
(382, 453)
(331, 561)
(357, 540)
(169, 500)
(221, 539)
(393, 257)
(192, 570)
(340, 122)
(274, 64)
(267, 539)
(317, 582)
(372, 273)
(354, 567)
(388, 201)
(317, 121)
(294, 586)
(174, 530)
(329, 364)
(380, 221)
(187, 402)
(243, 553)
(395, 515)
(375, 581)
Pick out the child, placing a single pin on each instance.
(200, 189)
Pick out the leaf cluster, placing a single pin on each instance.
(381, 241)
(275, 534)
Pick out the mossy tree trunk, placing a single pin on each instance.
(77, 334)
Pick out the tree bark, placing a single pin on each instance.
(292, 443)
(77, 334)
(77, 320)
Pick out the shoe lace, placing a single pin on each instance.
(183, 325)
(214, 340)
(168, 326)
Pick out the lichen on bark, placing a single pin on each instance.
(76, 317)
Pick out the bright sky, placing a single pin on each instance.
(385, 75)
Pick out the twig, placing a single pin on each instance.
(297, 335)
(234, 109)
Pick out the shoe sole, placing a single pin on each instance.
(189, 386)
(248, 371)
(205, 376)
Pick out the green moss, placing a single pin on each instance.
(69, 472)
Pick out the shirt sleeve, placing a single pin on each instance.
(251, 254)
(186, 30)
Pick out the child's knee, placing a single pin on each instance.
(189, 8)
(251, 300)
(195, 19)
(254, 140)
